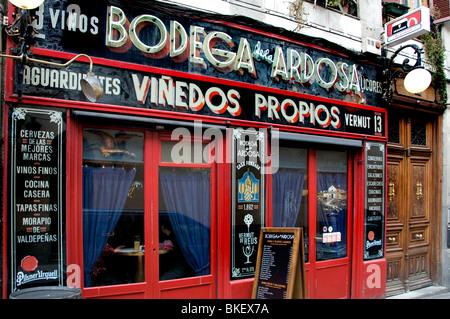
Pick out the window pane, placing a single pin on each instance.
(418, 133)
(184, 152)
(113, 207)
(394, 130)
(290, 191)
(184, 222)
(331, 205)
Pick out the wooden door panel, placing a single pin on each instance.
(418, 191)
(418, 255)
(394, 282)
(418, 266)
(394, 188)
(395, 226)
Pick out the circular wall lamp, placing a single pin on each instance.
(417, 78)
(27, 4)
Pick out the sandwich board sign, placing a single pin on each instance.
(407, 26)
(280, 266)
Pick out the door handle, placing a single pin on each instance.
(391, 191)
(418, 236)
(419, 191)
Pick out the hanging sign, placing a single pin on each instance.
(280, 270)
(374, 212)
(36, 197)
(408, 26)
(248, 205)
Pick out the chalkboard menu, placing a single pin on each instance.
(375, 189)
(280, 271)
(36, 195)
(248, 190)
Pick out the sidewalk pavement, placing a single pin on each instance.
(432, 292)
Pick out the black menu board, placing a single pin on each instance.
(37, 169)
(374, 212)
(280, 271)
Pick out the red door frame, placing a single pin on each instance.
(325, 270)
(152, 287)
(243, 288)
(194, 287)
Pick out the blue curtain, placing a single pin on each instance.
(186, 194)
(105, 192)
(287, 196)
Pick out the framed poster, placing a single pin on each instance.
(248, 200)
(374, 200)
(37, 197)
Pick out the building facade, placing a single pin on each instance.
(214, 123)
(443, 22)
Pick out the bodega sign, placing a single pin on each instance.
(179, 45)
(177, 39)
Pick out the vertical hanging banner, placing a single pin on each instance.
(248, 189)
(374, 217)
(36, 193)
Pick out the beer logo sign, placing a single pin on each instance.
(29, 263)
(248, 188)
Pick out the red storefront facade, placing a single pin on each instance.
(208, 129)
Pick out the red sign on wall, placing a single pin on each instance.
(408, 26)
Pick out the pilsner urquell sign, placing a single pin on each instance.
(36, 197)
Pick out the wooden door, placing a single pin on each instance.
(411, 193)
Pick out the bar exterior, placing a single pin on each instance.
(209, 128)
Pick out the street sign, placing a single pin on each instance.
(408, 26)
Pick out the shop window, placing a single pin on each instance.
(184, 222)
(331, 205)
(290, 191)
(113, 207)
